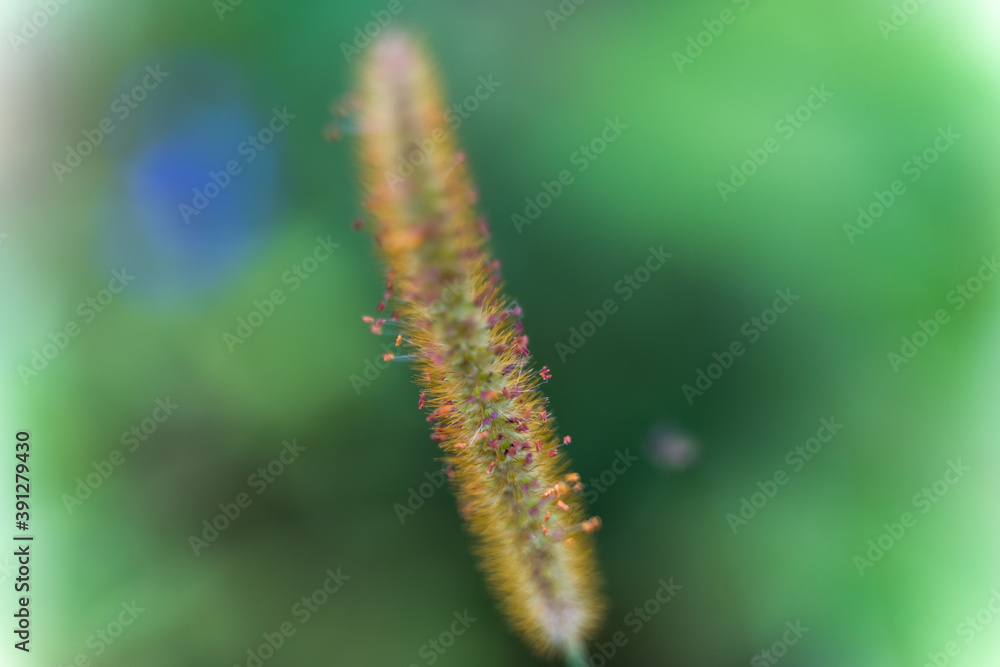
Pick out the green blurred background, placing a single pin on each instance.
(366, 448)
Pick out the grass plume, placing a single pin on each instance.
(489, 417)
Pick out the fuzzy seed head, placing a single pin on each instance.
(473, 364)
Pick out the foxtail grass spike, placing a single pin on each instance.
(508, 469)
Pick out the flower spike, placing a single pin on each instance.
(473, 363)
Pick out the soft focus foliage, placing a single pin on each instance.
(668, 471)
